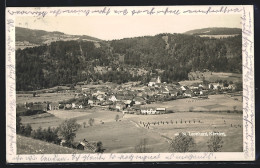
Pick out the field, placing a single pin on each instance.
(221, 102)
(124, 135)
(212, 77)
(51, 97)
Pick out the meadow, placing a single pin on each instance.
(124, 135)
(44, 97)
(215, 103)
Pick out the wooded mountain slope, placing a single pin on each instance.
(175, 55)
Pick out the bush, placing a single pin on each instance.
(91, 121)
(142, 147)
(182, 143)
(215, 143)
(21, 129)
(169, 111)
(48, 135)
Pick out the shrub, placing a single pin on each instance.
(170, 111)
(215, 143)
(182, 143)
(142, 146)
(91, 121)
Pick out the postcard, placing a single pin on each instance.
(130, 84)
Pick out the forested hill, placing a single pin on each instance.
(172, 55)
(39, 37)
(215, 31)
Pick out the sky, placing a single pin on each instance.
(118, 27)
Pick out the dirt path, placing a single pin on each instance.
(151, 131)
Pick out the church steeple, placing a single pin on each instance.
(158, 79)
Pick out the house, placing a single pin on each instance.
(196, 91)
(54, 106)
(136, 108)
(68, 106)
(149, 111)
(161, 110)
(73, 105)
(139, 100)
(90, 102)
(203, 92)
(120, 106)
(154, 81)
(232, 86)
(129, 103)
(188, 93)
(80, 146)
(80, 106)
(173, 91)
(184, 88)
(101, 97)
(39, 107)
(112, 98)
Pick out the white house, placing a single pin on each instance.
(154, 81)
(184, 88)
(91, 102)
(113, 98)
(148, 111)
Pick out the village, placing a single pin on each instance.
(132, 97)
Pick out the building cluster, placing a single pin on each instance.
(132, 98)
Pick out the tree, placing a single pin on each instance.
(27, 130)
(91, 121)
(142, 146)
(18, 124)
(239, 86)
(117, 117)
(99, 147)
(68, 130)
(84, 124)
(182, 143)
(215, 143)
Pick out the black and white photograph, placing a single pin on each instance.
(151, 81)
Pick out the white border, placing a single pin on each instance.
(247, 21)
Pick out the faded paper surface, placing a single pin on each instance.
(149, 14)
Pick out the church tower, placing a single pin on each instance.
(158, 79)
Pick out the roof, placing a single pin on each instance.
(153, 80)
(55, 104)
(138, 99)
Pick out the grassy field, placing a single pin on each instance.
(44, 97)
(122, 136)
(213, 103)
(204, 122)
(213, 76)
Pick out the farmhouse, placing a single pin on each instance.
(161, 110)
(139, 100)
(154, 81)
(149, 110)
(112, 98)
(188, 93)
(120, 106)
(184, 88)
(173, 91)
(68, 106)
(39, 107)
(90, 102)
(54, 106)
